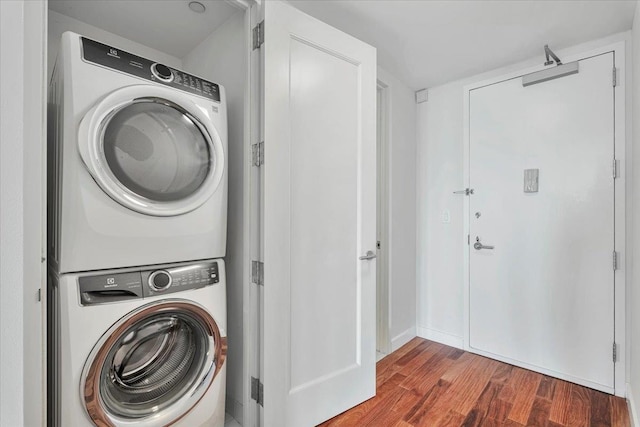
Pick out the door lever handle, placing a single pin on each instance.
(466, 191)
(478, 246)
(368, 255)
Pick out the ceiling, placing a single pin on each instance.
(426, 43)
(166, 25)
(422, 42)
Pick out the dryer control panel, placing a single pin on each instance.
(105, 288)
(125, 62)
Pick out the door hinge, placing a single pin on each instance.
(258, 35)
(257, 391)
(257, 272)
(40, 294)
(615, 352)
(615, 77)
(615, 168)
(468, 239)
(257, 154)
(615, 260)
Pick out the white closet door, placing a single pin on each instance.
(319, 340)
(543, 297)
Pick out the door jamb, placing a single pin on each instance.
(620, 94)
(383, 309)
(252, 292)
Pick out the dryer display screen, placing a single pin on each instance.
(116, 59)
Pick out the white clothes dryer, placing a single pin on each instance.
(137, 160)
(141, 347)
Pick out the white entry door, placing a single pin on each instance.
(319, 204)
(541, 157)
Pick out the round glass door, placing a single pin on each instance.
(157, 151)
(153, 366)
(153, 150)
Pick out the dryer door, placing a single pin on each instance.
(152, 149)
(153, 366)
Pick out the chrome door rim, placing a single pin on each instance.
(91, 146)
(91, 373)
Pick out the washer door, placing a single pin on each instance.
(152, 149)
(153, 366)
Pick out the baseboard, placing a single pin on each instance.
(633, 412)
(234, 408)
(400, 340)
(441, 337)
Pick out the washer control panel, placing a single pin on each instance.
(125, 62)
(105, 288)
(176, 279)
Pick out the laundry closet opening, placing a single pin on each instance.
(147, 176)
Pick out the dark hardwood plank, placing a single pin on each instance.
(560, 405)
(430, 373)
(539, 415)
(512, 384)
(464, 392)
(600, 409)
(579, 407)
(619, 412)
(390, 359)
(502, 374)
(479, 412)
(400, 363)
(471, 383)
(547, 388)
(419, 414)
(525, 396)
(451, 419)
(429, 384)
(499, 410)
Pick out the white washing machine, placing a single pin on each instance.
(140, 347)
(137, 161)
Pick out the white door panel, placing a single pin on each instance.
(544, 296)
(319, 217)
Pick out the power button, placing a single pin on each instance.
(162, 72)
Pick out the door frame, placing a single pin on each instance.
(620, 137)
(24, 212)
(383, 280)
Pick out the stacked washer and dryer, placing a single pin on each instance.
(137, 232)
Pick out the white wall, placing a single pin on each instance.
(402, 209)
(221, 58)
(59, 23)
(439, 265)
(22, 132)
(633, 389)
(440, 172)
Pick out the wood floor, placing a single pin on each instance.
(429, 384)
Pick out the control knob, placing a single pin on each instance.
(162, 72)
(160, 280)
